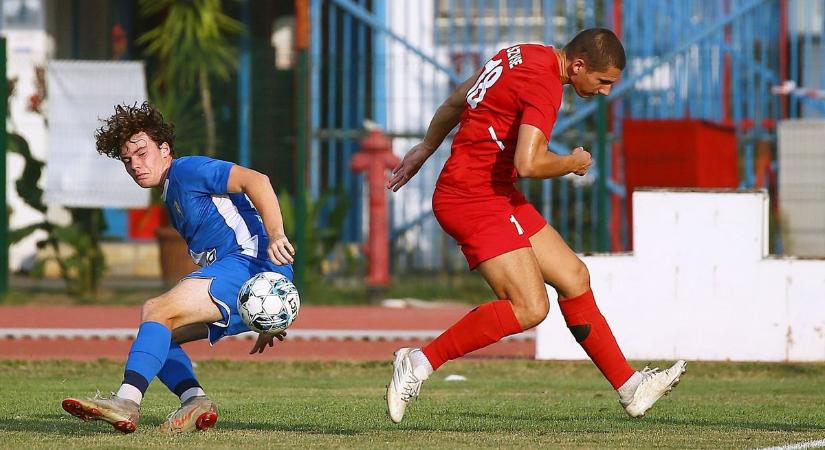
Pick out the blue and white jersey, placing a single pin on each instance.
(214, 223)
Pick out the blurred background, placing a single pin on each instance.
(716, 94)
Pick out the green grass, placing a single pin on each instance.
(504, 404)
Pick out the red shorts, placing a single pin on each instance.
(486, 227)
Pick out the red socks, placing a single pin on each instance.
(481, 327)
(492, 321)
(592, 332)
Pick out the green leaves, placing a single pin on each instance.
(27, 187)
(192, 37)
(319, 240)
(192, 44)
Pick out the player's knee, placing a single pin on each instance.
(534, 313)
(578, 280)
(155, 310)
(582, 275)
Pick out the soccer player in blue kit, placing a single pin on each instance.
(231, 221)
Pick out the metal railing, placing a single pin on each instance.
(393, 62)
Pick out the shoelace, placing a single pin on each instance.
(648, 373)
(99, 396)
(411, 388)
(169, 417)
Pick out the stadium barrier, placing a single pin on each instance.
(699, 284)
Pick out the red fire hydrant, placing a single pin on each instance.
(375, 157)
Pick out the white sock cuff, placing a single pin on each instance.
(627, 390)
(421, 365)
(191, 392)
(130, 392)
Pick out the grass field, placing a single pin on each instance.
(503, 404)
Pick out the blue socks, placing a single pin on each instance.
(146, 357)
(177, 373)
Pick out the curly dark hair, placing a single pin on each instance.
(129, 120)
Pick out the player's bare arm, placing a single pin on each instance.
(257, 186)
(446, 117)
(259, 190)
(533, 160)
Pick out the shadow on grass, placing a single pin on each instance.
(54, 424)
(736, 423)
(481, 422)
(327, 429)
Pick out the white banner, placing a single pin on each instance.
(80, 94)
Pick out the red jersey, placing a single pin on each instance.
(519, 85)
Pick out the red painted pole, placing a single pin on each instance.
(375, 157)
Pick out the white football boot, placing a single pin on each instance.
(654, 385)
(404, 384)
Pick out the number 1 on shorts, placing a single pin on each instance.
(519, 229)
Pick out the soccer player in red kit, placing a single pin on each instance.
(505, 114)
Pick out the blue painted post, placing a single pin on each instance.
(735, 74)
(331, 61)
(821, 58)
(466, 66)
(511, 29)
(578, 219)
(498, 23)
(793, 8)
(547, 200)
(809, 47)
(244, 89)
(314, 97)
(547, 25)
(361, 72)
(379, 71)
(750, 91)
(354, 214)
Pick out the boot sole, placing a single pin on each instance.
(87, 414)
(206, 421)
(387, 392)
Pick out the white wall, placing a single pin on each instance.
(27, 49)
(802, 186)
(699, 285)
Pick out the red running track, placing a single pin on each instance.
(311, 318)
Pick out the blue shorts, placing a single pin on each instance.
(228, 274)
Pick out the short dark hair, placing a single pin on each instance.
(600, 49)
(128, 121)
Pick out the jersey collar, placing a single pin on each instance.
(165, 187)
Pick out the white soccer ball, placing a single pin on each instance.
(268, 302)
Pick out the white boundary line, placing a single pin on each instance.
(799, 445)
(299, 334)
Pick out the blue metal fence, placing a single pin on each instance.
(394, 61)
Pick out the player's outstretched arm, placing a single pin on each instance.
(533, 160)
(446, 117)
(257, 187)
